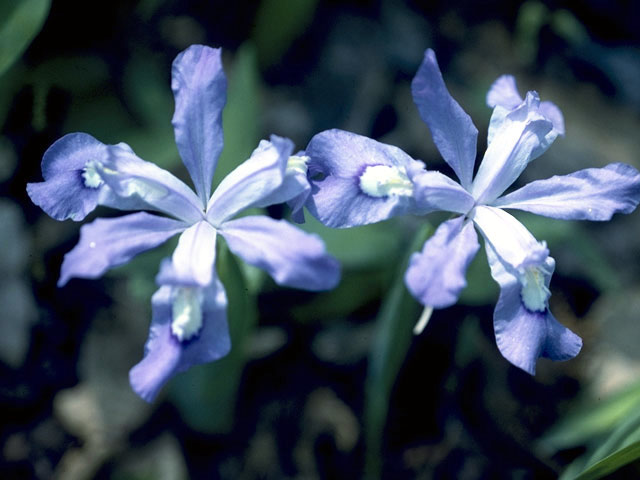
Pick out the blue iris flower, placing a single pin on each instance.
(356, 180)
(189, 324)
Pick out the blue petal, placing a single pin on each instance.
(130, 177)
(294, 190)
(453, 132)
(108, 242)
(436, 276)
(64, 194)
(504, 92)
(165, 355)
(292, 257)
(523, 336)
(590, 194)
(194, 257)
(511, 241)
(249, 184)
(338, 161)
(523, 135)
(435, 191)
(200, 89)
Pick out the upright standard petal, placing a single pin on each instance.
(590, 194)
(252, 181)
(165, 354)
(200, 89)
(130, 177)
(503, 92)
(356, 180)
(108, 242)
(194, 257)
(72, 187)
(292, 257)
(452, 129)
(523, 335)
(523, 135)
(295, 188)
(436, 276)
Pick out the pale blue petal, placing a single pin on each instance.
(435, 191)
(252, 181)
(523, 135)
(108, 242)
(130, 177)
(524, 336)
(436, 276)
(503, 92)
(552, 112)
(194, 257)
(292, 257)
(452, 129)
(513, 243)
(200, 89)
(66, 192)
(590, 194)
(165, 355)
(337, 162)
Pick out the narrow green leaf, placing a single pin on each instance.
(394, 333)
(615, 452)
(591, 419)
(20, 22)
(611, 463)
(241, 114)
(278, 24)
(206, 395)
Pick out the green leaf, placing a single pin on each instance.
(619, 449)
(532, 16)
(241, 114)
(393, 337)
(206, 394)
(590, 420)
(278, 24)
(20, 22)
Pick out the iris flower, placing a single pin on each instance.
(189, 324)
(356, 180)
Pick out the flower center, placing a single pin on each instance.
(297, 164)
(534, 291)
(91, 176)
(187, 313)
(383, 181)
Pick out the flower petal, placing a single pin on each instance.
(295, 188)
(165, 355)
(292, 257)
(590, 194)
(524, 336)
(452, 129)
(130, 177)
(512, 242)
(72, 187)
(436, 276)
(504, 92)
(338, 162)
(552, 113)
(108, 242)
(435, 191)
(523, 135)
(200, 89)
(252, 181)
(193, 259)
